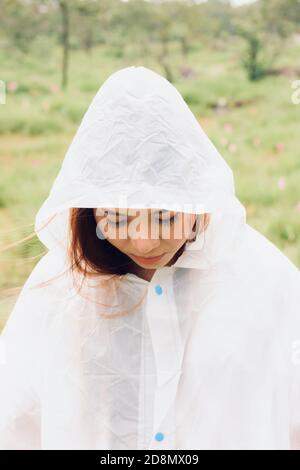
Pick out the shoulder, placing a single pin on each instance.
(273, 280)
(52, 266)
(49, 281)
(47, 284)
(265, 258)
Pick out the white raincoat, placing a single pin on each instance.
(211, 360)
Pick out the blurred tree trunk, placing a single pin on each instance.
(65, 36)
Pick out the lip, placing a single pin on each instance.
(148, 260)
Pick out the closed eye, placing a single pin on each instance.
(168, 221)
(117, 223)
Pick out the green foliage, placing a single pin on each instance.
(3, 201)
(252, 63)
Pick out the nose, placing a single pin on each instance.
(144, 246)
(143, 241)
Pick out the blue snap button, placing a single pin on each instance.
(159, 436)
(158, 289)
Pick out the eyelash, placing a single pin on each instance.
(163, 221)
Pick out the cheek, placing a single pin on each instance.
(121, 245)
(181, 230)
(110, 233)
(174, 244)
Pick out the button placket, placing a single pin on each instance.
(168, 350)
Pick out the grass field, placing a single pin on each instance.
(255, 126)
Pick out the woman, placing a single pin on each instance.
(196, 348)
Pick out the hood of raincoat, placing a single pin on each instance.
(140, 146)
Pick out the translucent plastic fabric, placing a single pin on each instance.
(208, 356)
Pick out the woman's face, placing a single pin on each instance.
(150, 237)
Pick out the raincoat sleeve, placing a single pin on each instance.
(293, 302)
(20, 361)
